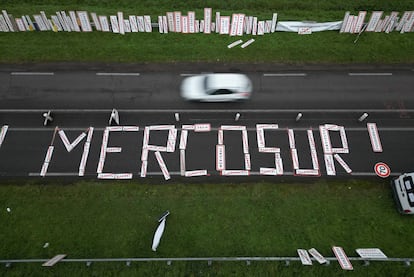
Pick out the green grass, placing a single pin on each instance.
(285, 48)
(96, 219)
(328, 47)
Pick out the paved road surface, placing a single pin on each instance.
(83, 98)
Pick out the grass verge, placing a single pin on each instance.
(93, 219)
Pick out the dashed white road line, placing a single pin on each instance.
(369, 74)
(117, 74)
(32, 73)
(284, 75)
(187, 74)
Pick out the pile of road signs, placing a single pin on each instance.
(341, 257)
(378, 22)
(236, 24)
(176, 22)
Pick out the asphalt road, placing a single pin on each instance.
(84, 98)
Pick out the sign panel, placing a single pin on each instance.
(224, 25)
(373, 21)
(371, 253)
(54, 260)
(342, 258)
(382, 170)
(321, 259)
(304, 257)
(207, 20)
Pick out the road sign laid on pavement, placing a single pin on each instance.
(382, 170)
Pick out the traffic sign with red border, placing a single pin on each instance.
(382, 170)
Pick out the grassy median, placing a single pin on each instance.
(93, 219)
(280, 47)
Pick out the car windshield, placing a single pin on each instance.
(209, 83)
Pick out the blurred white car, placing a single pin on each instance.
(403, 192)
(217, 87)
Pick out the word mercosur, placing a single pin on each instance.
(330, 153)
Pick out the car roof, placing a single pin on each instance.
(226, 80)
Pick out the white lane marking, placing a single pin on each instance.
(32, 73)
(208, 110)
(369, 74)
(284, 74)
(188, 74)
(117, 74)
(178, 173)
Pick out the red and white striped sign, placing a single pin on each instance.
(123, 176)
(245, 142)
(343, 163)
(291, 136)
(121, 128)
(207, 20)
(329, 165)
(247, 163)
(268, 171)
(177, 22)
(147, 24)
(69, 146)
(360, 21)
(170, 20)
(113, 149)
(194, 173)
(234, 22)
(321, 259)
(304, 257)
(106, 176)
(144, 166)
(326, 141)
(260, 28)
(162, 166)
(191, 22)
(184, 24)
(307, 172)
(235, 173)
(130, 128)
(295, 160)
(45, 165)
(183, 139)
(240, 25)
(374, 137)
(224, 25)
(342, 258)
(220, 157)
(279, 164)
(182, 162)
(373, 21)
(202, 127)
